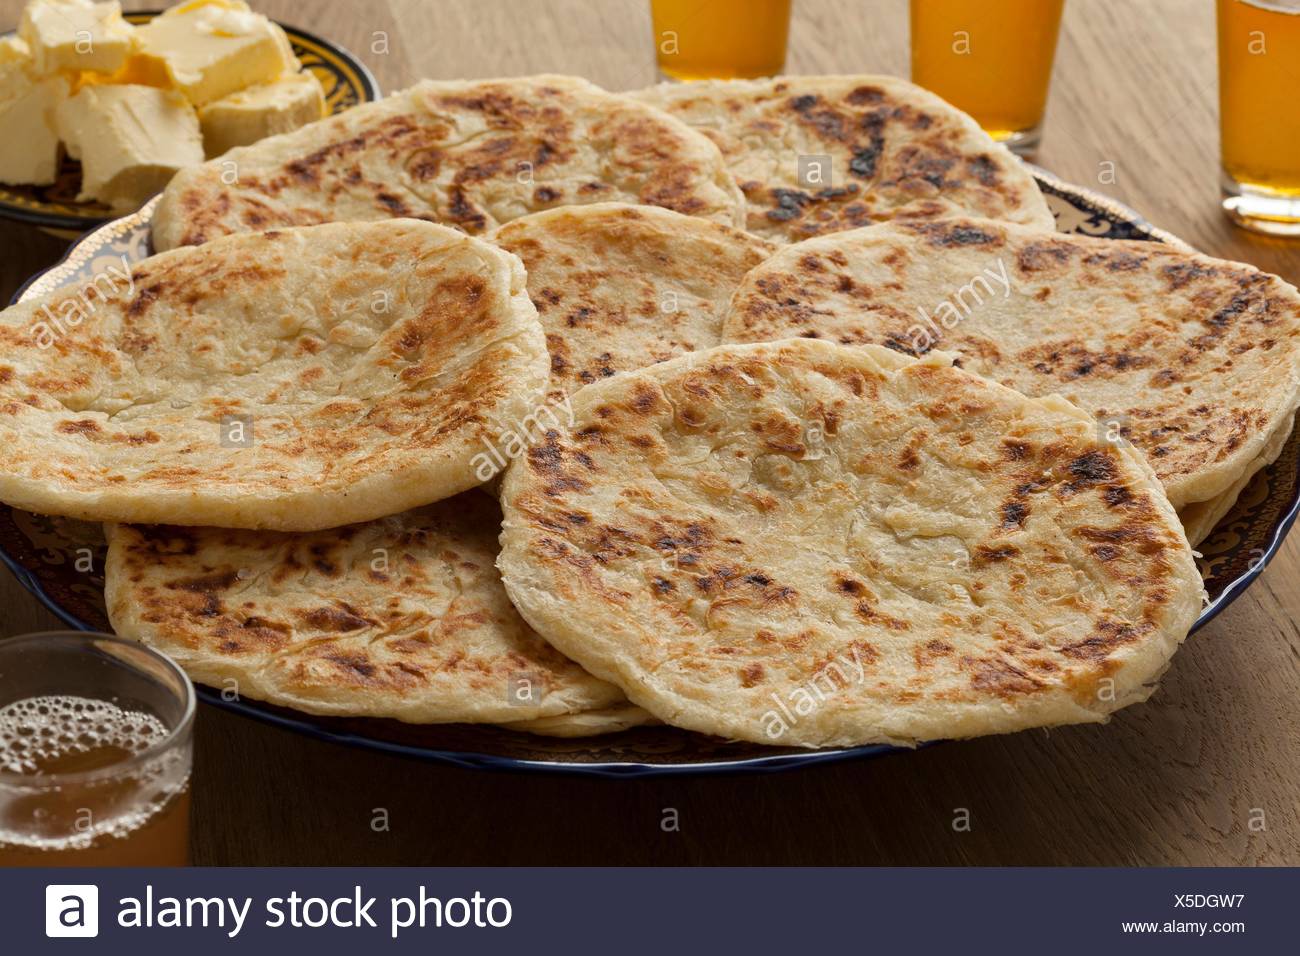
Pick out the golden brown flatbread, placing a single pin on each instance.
(1194, 360)
(467, 153)
(402, 617)
(809, 544)
(817, 154)
(291, 380)
(618, 287)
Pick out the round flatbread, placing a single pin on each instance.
(806, 544)
(1201, 517)
(1194, 360)
(817, 154)
(619, 287)
(467, 153)
(291, 380)
(402, 617)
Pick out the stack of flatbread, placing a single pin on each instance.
(772, 410)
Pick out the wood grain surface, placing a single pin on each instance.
(1208, 772)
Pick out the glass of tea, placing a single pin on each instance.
(990, 58)
(95, 753)
(1259, 119)
(720, 39)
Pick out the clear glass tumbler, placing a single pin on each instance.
(95, 753)
(720, 39)
(990, 58)
(1259, 119)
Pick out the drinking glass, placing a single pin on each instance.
(990, 58)
(1259, 119)
(95, 753)
(720, 39)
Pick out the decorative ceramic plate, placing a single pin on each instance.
(61, 562)
(346, 80)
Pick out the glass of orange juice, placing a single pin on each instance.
(720, 39)
(95, 753)
(1259, 121)
(990, 58)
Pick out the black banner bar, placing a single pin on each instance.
(652, 911)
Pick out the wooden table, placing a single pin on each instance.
(1175, 781)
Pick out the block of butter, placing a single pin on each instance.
(267, 109)
(139, 70)
(29, 148)
(211, 48)
(15, 66)
(76, 35)
(130, 140)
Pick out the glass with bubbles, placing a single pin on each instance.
(95, 753)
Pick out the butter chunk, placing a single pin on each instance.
(261, 111)
(137, 70)
(76, 35)
(212, 49)
(15, 67)
(29, 148)
(130, 140)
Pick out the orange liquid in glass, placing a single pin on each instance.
(720, 39)
(1259, 79)
(990, 58)
(138, 817)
